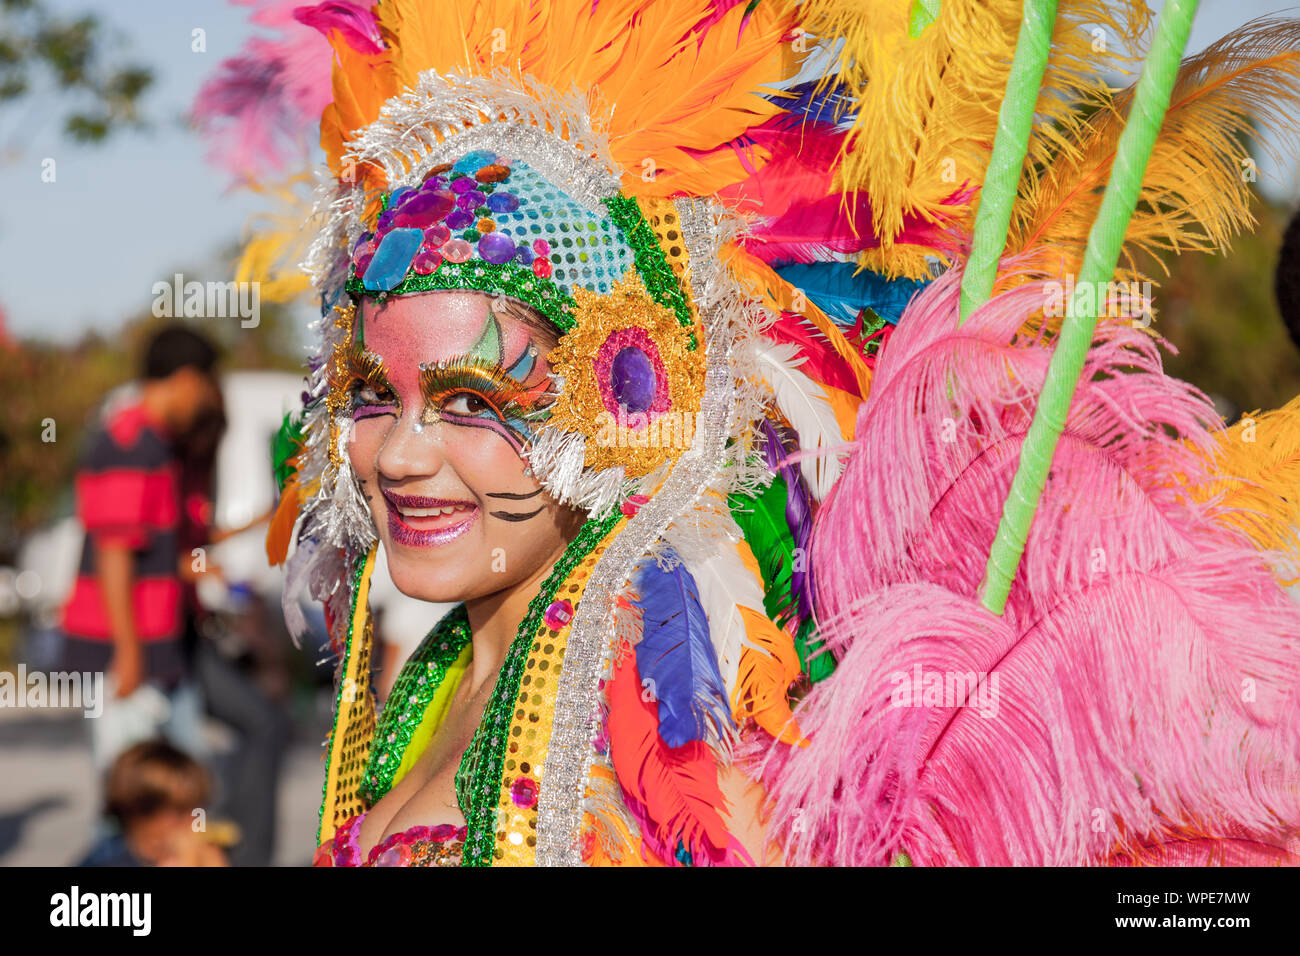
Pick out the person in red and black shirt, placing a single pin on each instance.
(125, 613)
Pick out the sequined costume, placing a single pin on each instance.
(792, 430)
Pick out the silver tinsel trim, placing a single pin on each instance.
(703, 468)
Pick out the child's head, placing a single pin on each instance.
(152, 790)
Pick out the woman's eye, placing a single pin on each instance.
(369, 402)
(467, 403)
(369, 395)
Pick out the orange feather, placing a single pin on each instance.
(280, 533)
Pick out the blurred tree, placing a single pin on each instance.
(1222, 315)
(38, 48)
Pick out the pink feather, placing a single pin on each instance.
(1146, 669)
(263, 107)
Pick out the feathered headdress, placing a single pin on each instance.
(740, 201)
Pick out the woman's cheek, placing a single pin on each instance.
(367, 438)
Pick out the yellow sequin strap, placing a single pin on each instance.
(354, 714)
(530, 729)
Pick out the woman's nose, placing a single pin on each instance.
(413, 448)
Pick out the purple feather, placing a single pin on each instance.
(675, 656)
(798, 515)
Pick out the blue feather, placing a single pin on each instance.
(833, 105)
(675, 656)
(833, 288)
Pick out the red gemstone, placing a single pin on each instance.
(542, 268)
(426, 260)
(633, 504)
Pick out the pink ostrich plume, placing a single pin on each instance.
(1137, 701)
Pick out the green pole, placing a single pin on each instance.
(1105, 240)
(1002, 178)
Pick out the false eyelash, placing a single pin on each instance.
(507, 396)
(356, 366)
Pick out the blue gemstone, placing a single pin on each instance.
(633, 379)
(392, 259)
(471, 163)
(503, 202)
(396, 196)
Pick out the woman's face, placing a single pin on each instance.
(445, 393)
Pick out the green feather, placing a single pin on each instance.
(762, 520)
(285, 444)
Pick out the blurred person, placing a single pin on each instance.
(124, 614)
(151, 793)
(229, 694)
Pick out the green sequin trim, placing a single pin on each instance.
(478, 779)
(507, 278)
(338, 694)
(420, 678)
(658, 276)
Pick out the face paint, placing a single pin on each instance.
(469, 392)
(446, 396)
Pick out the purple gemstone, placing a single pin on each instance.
(385, 219)
(525, 255)
(424, 209)
(464, 184)
(361, 239)
(632, 375)
(459, 219)
(496, 247)
(503, 202)
(470, 200)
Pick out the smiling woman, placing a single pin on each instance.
(596, 374)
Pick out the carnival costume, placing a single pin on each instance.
(756, 228)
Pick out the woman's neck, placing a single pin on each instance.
(494, 622)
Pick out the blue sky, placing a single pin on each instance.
(85, 250)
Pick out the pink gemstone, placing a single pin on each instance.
(558, 615)
(542, 268)
(399, 855)
(524, 792)
(426, 260)
(362, 262)
(435, 236)
(457, 250)
(541, 247)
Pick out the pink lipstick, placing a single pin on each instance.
(421, 522)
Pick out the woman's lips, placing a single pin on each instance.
(420, 522)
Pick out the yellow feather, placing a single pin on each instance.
(280, 240)
(1195, 194)
(929, 104)
(1257, 468)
